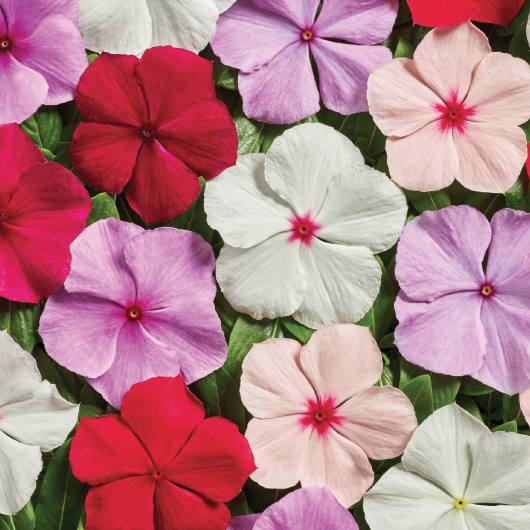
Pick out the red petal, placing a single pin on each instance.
(108, 91)
(105, 155)
(17, 153)
(163, 413)
(162, 186)
(204, 137)
(124, 504)
(178, 509)
(105, 449)
(215, 462)
(47, 211)
(173, 79)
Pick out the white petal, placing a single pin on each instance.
(405, 501)
(45, 419)
(19, 375)
(302, 162)
(363, 207)
(342, 283)
(242, 206)
(117, 26)
(440, 448)
(497, 517)
(265, 281)
(223, 5)
(20, 466)
(501, 470)
(187, 24)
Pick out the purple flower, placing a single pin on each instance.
(137, 304)
(303, 509)
(42, 55)
(271, 42)
(454, 318)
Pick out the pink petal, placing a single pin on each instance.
(380, 421)
(524, 400)
(273, 384)
(249, 37)
(423, 161)
(447, 58)
(300, 12)
(283, 91)
(399, 100)
(343, 73)
(491, 155)
(446, 336)
(244, 522)
(350, 347)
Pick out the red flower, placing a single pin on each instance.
(43, 208)
(152, 125)
(453, 12)
(161, 465)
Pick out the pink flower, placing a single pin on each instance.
(453, 113)
(43, 208)
(317, 417)
(42, 55)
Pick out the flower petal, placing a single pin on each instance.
(524, 399)
(346, 345)
(479, 517)
(300, 13)
(241, 192)
(244, 522)
(45, 419)
(440, 449)
(20, 466)
(399, 100)
(303, 161)
(123, 26)
(249, 37)
(446, 336)
(343, 72)
(265, 281)
(283, 91)
(273, 384)
(215, 462)
(105, 450)
(380, 421)
(163, 413)
(342, 283)
(362, 208)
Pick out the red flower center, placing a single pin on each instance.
(134, 313)
(148, 133)
(5, 44)
(2, 218)
(486, 290)
(308, 35)
(454, 114)
(303, 229)
(321, 415)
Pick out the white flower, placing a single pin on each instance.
(301, 225)
(455, 475)
(33, 417)
(133, 26)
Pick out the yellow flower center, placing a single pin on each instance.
(460, 504)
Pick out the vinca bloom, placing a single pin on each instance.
(301, 225)
(454, 317)
(453, 113)
(43, 208)
(272, 43)
(137, 304)
(316, 416)
(153, 126)
(42, 55)
(303, 509)
(160, 465)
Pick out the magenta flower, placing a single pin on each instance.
(454, 318)
(272, 41)
(303, 509)
(137, 304)
(42, 55)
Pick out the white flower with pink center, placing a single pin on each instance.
(317, 417)
(301, 225)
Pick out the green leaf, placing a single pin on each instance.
(228, 78)
(103, 207)
(44, 128)
(53, 373)
(298, 330)
(510, 426)
(373, 141)
(487, 203)
(62, 496)
(404, 49)
(519, 44)
(472, 387)
(249, 132)
(21, 321)
(444, 389)
(23, 520)
(408, 372)
(518, 196)
(469, 404)
(419, 392)
(430, 200)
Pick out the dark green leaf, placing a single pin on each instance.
(518, 196)
(419, 392)
(430, 200)
(103, 207)
(487, 203)
(444, 389)
(374, 140)
(472, 387)
(404, 49)
(296, 329)
(519, 44)
(469, 404)
(23, 520)
(44, 127)
(249, 132)
(21, 321)
(53, 373)
(510, 426)
(408, 372)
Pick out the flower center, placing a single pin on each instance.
(454, 114)
(487, 290)
(5, 43)
(308, 35)
(148, 133)
(460, 504)
(2, 218)
(321, 415)
(303, 229)
(134, 313)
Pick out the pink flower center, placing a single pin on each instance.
(321, 415)
(5, 44)
(454, 114)
(303, 229)
(308, 35)
(487, 290)
(2, 218)
(134, 313)
(148, 133)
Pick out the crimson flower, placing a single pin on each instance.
(153, 125)
(161, 465)
(43, 208)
